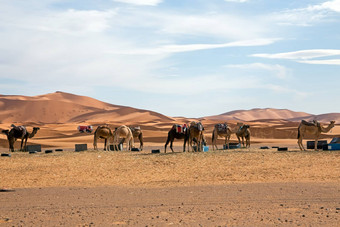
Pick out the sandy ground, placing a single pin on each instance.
(243, 187)
(270, 204)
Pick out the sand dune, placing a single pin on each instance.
(62, 107)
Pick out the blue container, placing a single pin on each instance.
(205, 148)
(334, 146)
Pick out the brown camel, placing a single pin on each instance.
(177, 132)
(137, 133)
(221, 130)
(244, 133)
(123, 132)
(19, 132)
(196, 132)
(314, 129)
(102, 132)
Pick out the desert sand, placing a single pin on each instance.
(241, 187)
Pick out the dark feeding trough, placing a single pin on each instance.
(264, 147)
(231, 146)
(30, 148)
(118, 147)
(156, 151)
(135, 149)
(80, 147)
(321, 144)
(282, 148)
(5, 155)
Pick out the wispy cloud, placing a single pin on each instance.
(195, 47)
(141, 2)
(302, 56)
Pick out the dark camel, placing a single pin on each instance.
(173, 134)
(19, 132)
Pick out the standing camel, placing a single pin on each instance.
(19, 132)
(137, 133)
(123, 132)
(314, 129)
(102, 132)
(174, 133)
(196, 133)
(221, 130)
(244, 133)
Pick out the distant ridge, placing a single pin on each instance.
(271, 113)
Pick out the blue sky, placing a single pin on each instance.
(177, 57)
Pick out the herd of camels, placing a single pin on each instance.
(194, 134)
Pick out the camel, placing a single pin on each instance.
(174, 134)
(244, 133)
(137, 133)
(19, 132)
(196, 132)
(102, 132)
(312, 128)
(221, 130)
(123, 132)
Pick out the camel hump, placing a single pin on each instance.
(221, 127)
(308, 123)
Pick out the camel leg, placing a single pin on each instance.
(141, 141)
(239, 141)
(22, 142)
(190, 144)
(171, 145)
(166, 144)
(316, 144)
(105, 142)
(185, 141)
(227, 139)
(11, 144)
(25, 144)
(301, 144)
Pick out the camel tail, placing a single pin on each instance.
(298, 136)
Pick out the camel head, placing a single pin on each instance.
(35, 130)
(332, 122)
(5, 132)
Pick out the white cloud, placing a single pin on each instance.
(322, 62)
(141, 2)
(329, 5)
(304, 54)
(307, 16)
(195, 47)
